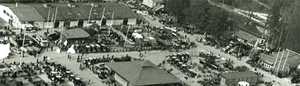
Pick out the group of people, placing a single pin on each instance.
(181, 62)
(238, 49)
(232, 46)
(42, 73)
(89, 62)
(90, 48)
(102, 71)
(98, 67)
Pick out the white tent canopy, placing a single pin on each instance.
(5, 50)
(137, 35)
(71, 50)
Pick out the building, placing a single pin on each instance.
(75, 34)
(267, 61)
(59, 15)
(240, 78)
(8, 17)
(142, 73)
(152, 3)
(280, 61)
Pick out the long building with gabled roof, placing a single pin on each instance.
(65, 14)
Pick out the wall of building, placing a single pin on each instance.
(74, 23)
(42, 24)
(49, 24)
(61, 24)
(98, 22)
(266, 65)
(38, 24)
(132, 21)
(114, 22)
(85, 23)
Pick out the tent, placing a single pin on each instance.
(5, 50)
(71, 50)
(137, 35)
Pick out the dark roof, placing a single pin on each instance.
(80, 11)
(25, 12)
(76, 33)
(246, 36)
(239, 75)
(267, 58)
(142, 73)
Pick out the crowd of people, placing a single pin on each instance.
(42, 73)
(238, 49)
(232, 46)
(90, 48)
(97, 65)
(89, 62)
(180, 61)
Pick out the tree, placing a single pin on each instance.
(210, 59)
(291, 17)
(203, 15)
(228, 64)
(176, 7)
(242, 68)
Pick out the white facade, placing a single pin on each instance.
(114, 22)
(86, 23)
(7, 18)
(132, 21)
(74, 23)
(243, 83)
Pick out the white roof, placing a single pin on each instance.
(137, 35)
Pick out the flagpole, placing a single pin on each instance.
(102, 17)
(112, 21)
(55, 15)
(23, 43)
(89, 20)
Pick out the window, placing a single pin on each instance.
(4, 11)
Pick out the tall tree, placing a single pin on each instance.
(291, 15)
(202, 14)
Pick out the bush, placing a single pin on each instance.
(242, 68)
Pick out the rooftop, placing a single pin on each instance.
(246, 36)
(25, 12)
(293, 57)
(37, 11)
(239, 75)
(141, 73)
(76, 33)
